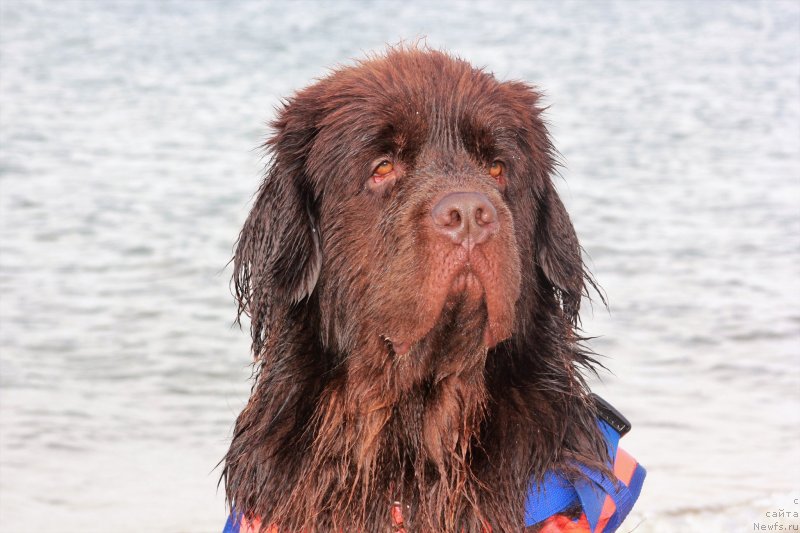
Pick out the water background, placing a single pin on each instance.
(128, 135)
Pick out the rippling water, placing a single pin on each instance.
(127, 136)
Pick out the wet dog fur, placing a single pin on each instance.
(392, 365)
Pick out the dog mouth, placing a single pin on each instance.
(468, 283)
(461, 327)
(462, 292)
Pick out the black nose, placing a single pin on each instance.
(466, 218)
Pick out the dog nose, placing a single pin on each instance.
(466, 218)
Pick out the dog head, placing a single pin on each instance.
(413, 283)
(407, 196)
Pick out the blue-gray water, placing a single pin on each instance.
(127, 142)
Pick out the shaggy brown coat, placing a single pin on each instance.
(336, 271)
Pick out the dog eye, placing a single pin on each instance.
(383, 169)
(497, 169)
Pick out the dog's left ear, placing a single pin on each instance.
(558, 252)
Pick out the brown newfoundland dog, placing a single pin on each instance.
(413, 283)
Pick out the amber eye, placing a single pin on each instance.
(497, 169)
(383, 168)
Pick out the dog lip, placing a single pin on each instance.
(466, 281)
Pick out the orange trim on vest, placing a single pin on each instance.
(624, 466)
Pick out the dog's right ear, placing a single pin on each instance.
(278, 254)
